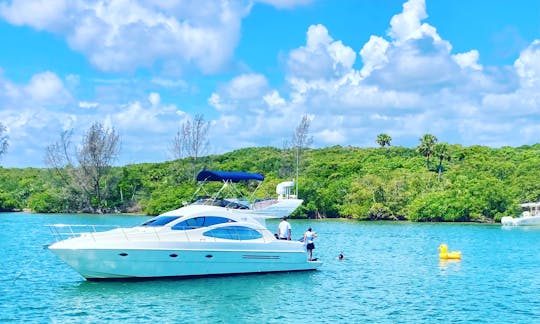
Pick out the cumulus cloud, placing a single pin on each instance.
(47, 88)
(322, 57)
(30, 111)
(410, 83)
(40, 14)
(373, 54)
(405, 83)
(121, 36)
(468, 60)
(249, 89)
(408, 23)
(528, 65)
(274, 100)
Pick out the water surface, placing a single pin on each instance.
(391, 274)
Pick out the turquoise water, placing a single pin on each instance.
(392, 274)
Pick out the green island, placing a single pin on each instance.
(461, 184)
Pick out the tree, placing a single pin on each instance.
(84, 170)
(286, 169)
(300, 141)
(440, 151)
(191, 140)
(426, 146)
(99, 149)
(3, 140)
(384, 140)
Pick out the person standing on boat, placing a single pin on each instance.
(284, 229)
(308, 239)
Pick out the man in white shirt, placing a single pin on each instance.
(284, 230)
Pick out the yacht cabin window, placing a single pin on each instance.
(160, 220)
(198, 222)
(234, 233)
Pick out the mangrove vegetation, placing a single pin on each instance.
(433, 182)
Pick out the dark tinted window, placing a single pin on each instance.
(198, 222)
(160, 220)
(234, 233)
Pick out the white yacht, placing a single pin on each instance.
(530, 216)
(209, 237)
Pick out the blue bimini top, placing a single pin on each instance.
(233, 176)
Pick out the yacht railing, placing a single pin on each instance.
(66, 231)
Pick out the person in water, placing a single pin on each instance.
(284, 230)
(341, 257)
(308, 239)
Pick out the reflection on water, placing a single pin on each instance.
(451, 265)
(392, 273)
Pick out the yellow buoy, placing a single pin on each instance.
(445, 255)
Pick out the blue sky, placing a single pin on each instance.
(467, 72)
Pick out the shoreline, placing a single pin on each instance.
(28, 211)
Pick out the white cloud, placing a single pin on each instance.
(125, 35)
(409, 85)
(322, 57)
(247, 86)
(47, 88)
(329, 136)
(249, 89)
(154, 99)
(169, 83)
(34, 120)
(374, 54)
(285, 3)
(274, 100)
(215, 101)
(41, 14)
(468, 60)
(407, 24)
(528, 65)
(88, 105)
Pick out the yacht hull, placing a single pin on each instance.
(521, 221)
(97, 263)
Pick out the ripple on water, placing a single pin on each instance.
(391, 274)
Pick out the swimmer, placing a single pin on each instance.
(341, 257)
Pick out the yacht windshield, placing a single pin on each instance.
(160, 220)
(221, 203)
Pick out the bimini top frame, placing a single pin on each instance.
(227, 177)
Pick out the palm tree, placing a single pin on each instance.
(383, 140)
(440, 151)
(426, 146)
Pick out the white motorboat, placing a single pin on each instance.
(200, 239)
(530, 216)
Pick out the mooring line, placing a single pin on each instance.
(27, 265)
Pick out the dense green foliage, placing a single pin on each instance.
(390, 183)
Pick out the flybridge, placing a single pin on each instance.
(231, 197)
(228, 178)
